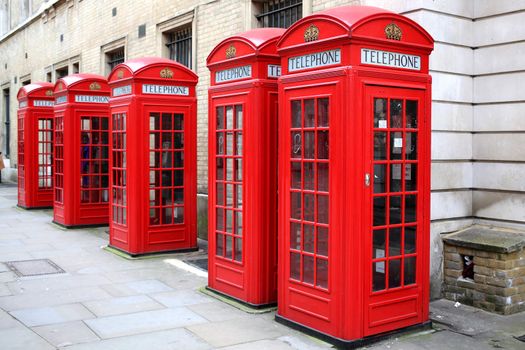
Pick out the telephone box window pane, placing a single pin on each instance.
(229, 143)
(410, 177)
(309, 176)
(220, 117)
(219, 245)
(394, 273)
(309, 114)
(229, 221)
(379, 178)
(219, 218)
(229, 195)
(379, 145)
(178, 159)
(220, 194)
(154, 216)
(380, 113)
(220, 169)
(238, 169)
(322, 112)
(168, 218)
(295, 266)
(378, 249)
(296, 175)
(178, 215)
(322, 209)
(238, 223)
(395, 178)
(296, 144)
(322, 241)
(238, 144)
(410, 270)
(396, 113)
(396, 145)
(378, 276)
(379, 211)
(394, 241)
(166, 178)
(309, 145)
(229, 169)
(322, 177)
(85, 124)
(309, 207)
(295, 205)
(322, 273)
(238, 196)
(308, 269)
(229, 117)
(167, 122)
(395, 209)
(179, 196)
(411, 114)
(295, 236)
(178, 122)
(296, 114)
(238, 117)
(411, 145)
(178, 140)
(410, 209)
(322, 145)
(410, 239)
(238, 249)
(308, 238)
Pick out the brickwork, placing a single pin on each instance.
(499, 279)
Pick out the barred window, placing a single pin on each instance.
(178, 43)
(280, 13)
(115, 57)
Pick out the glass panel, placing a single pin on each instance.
(395, 178)
(394, 241)
(380, 113)
(322, 240)
(411, 145)
(322, 209)
(229, 169)
(229, 143)
(309, 114)
(167, 121)
(394, 273)
(396, 113)
(378, 276)
(308, 238)
(219, 245)
(229, 221)
(178, 122)
(178, 175)
(220, 169)
(410, 239)
(295, 205)
(379, 145)
(296, 175)
(410, 270)
(229, 247)
(238, 249)
(308, 269)
(220, 194)
(220, 143)
(238, 145)
(379, 211)
(396, 145)
(379, 178)
(395, 209)
(411, 116)
(309, 175)
(178, 159)
(179, 195)
(322, 112)
(295, 266)
(178, 142)
(238, 196)
(410, 177)
(229, 117)
(219, 219)
(297, 147)
(238, 169)
(229, 195)
(322, 145)
(238, 117)
(309, 207)
(309, 145)
(322, 273)
(378, 250)
(220, 117)
(410, 208)
(322, 177)
(296, 114)
(238, 223)
(295, 235)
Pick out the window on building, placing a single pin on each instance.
(26, 82)
(49, 77)
(114, 58)
(7, 121)
(61, 72)
(178, 43)
(280, 13)
(75, 67)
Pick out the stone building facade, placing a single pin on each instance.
(478, 138)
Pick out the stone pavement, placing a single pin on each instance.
(104, 301)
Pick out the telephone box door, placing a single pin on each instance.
(396, 146)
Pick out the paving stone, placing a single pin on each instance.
(8, 321)
(56, 283)
(218, 311)
(64, 334)
(261, 345)
(21, 338)
(7, 277)
(236, 331)
(4, 291)
(122, 305)
(52, 314)
(175, 339)
(143, 322)
(181, 298)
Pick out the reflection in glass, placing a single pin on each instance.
(229, 221)
(167, 121)
(295, 205)
(229, 117)
(309, 207)
(394, 241)
(179, 195)
(238, 145)
(379, 145)
(308, 238)
(410, 177)
(229, 169)
(238, 249)
(309, 177)
(295, 266)
(178, 122)
(410, 239)
(229, 195)
(220, 143)
(322, 112)
(380, 113)
(296, 114)
(410, 208)
(322, 273)
(322, 145)
(308, 269)
(411, 145)
(220, 168)
(396, 113)
(396, 145)
(229, 143)
(379, 211)
(296, 175)
(322, 209)
(238, 223)
(322, 240)
(309, 114)
(238, 117)
(238, 197)
(378, 276)
(379, 178)
(229, 246)
(309, 145)
(378, 249)
(395, 178)
(238, 169)
(296, 143)
(395, 209)
(295, 235)
(220, 117)
(411, 114)
(220, 219)
(322, 177)
(220, 194)
(410, 270)
(219, 245)
(394, 273)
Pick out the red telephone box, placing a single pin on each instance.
(35, 146)
(354, 192)
(81, 151)
(242, 190)
(153, 159)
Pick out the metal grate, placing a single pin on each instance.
(115, 57)
(179, 46)
(521, 338)
(280, 13)
(201, 263)
(37, 267)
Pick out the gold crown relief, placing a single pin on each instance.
(231, 51)
(94, 86)
(311, 33)
(166, 73)
(49, 92)
(392, 31)
(60, 86)
(120, 74)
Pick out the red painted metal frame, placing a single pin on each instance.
(137, 225)
(81, 194)
(242, 255)
(337, 301)
(35, 119)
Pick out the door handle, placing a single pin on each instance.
(367, 180)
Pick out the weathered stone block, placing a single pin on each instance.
(453, 265)
(452, 273)
(453, 257)
(483, 270)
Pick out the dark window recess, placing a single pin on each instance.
(115, 58)
(142, 30)
(179, 46)
(114, 11)
(61, 37)
(62, 72)
(76, 68)
(27, 82)
(7, 119)
(280, 13)
(468, 266)
(49, 77)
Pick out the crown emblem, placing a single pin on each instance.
(49, 92)
(392, 31)
(166, 73)
(311, 33)
(231, 51)
(120, 74)
(60, 86)
(94, 86)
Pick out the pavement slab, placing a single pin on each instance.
(181, 298)
(122, 305)
(65, 334)
(53, 314)
(21, 338)
(216, 311)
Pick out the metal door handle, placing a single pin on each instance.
(367, 179)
